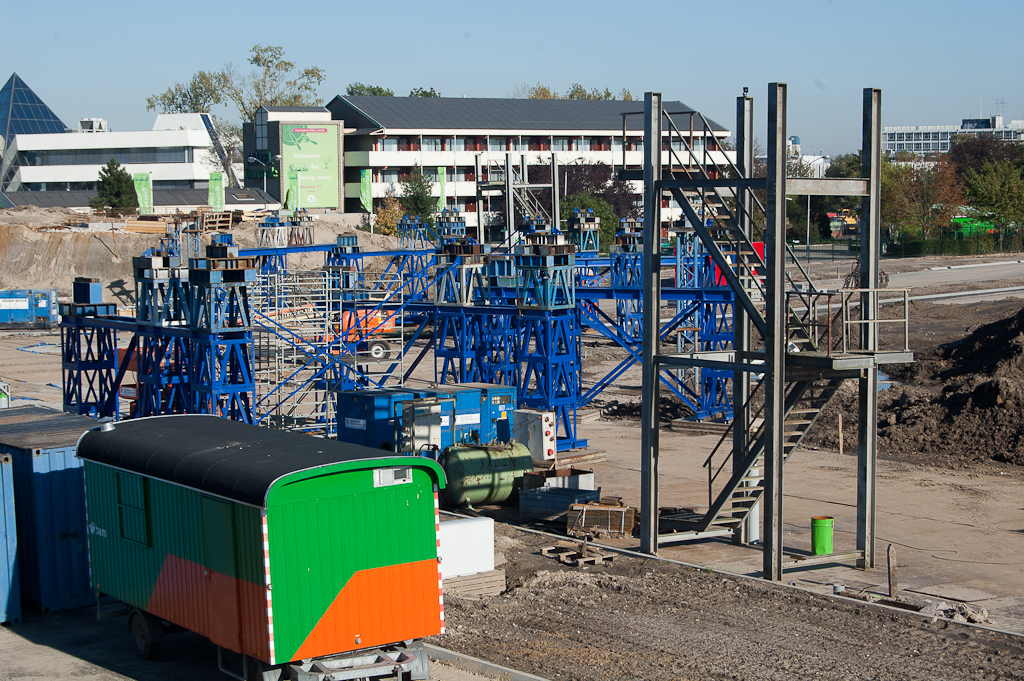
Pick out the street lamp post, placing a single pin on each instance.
(252, 160)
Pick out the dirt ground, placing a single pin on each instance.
(637, 618)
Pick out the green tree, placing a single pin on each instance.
(934, 196)
(362, 89)
(387, 215)
(997, 191)
(601, 208)
(575, 91)
(199, 95)
(114, 188)
(420, 92)
(895, 208)
(274, 82)
(416, 196)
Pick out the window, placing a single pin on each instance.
(389, 144)
(132, 522)
(561, 144)
(497, 144)
(433, 144)
(385, 477)
(261, 131)
(899, 137)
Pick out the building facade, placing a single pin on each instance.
(297, 151)
(387, 136)
(922, 140)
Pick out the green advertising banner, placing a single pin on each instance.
(144, 190)
(440, 180)
(215, 196)
(310, 150)
(365, 193)
(292, 195)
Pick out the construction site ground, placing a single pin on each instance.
(957, 525)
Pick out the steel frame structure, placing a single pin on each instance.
(800, 372)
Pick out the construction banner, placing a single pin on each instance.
(291, 199)
(440, 181)
(365, 193)
(216, 194)
(144, 190)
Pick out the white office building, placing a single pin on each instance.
(922, 140)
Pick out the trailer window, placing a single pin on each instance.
(131, 508)
(385, 477)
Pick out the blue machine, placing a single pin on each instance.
(28, 309)
(369, 417)
(497, 402)
(467, 413)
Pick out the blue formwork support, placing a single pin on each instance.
(457, 344)
(414, 234)
(626, 256)
(584, 230)
(220, 363)
(88, 358)
(449, 225)
(548, 350)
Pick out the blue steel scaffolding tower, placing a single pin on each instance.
(162, 301)
(547, 328)
(88, 351)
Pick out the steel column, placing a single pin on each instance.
(649, 411)
(749, 530)
(556, 218)
(775, 323)
(867, 404)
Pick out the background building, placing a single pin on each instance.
(921, 140)
(387, 136)
(40, 154)
(295, 149)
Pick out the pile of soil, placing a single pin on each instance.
(961, 403)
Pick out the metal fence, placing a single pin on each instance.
(1008, 241)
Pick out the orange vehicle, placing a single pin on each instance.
(361, 326)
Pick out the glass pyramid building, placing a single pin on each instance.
(21, 112)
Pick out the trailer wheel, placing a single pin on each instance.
(379, 349)
(144, 639)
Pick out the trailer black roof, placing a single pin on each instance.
(220, 457)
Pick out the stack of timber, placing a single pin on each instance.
(146, 224)
(490, 583)
(577, 553)
(258, 215)
(211, 221)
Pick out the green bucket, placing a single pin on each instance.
(821, 535)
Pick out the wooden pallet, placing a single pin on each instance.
(597, 520)
(482, 584)
(577, 553)
(212, 221)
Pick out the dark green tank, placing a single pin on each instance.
(484, 474)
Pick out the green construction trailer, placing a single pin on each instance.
(297, 553)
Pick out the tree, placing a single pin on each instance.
(895, 181)
(274, 82)
(387, 215)
(968, 152)
(997, 191)
(115, 188)
(416, 196)
(363, 90)
(601, 208)
(575, 91)
(199, 95)
(934, 196)
(420, 92)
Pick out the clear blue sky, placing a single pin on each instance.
(936, 61)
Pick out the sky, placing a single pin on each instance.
(936, 61)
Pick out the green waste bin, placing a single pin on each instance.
(821, 535)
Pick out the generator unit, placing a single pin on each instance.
(497, 404)
(465, 425)
(369, 417)
(292, 551)
(28, 309)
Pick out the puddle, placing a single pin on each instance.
(884, 382)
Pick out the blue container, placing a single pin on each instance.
(497, 402)
(85, 291)
(10, 594)
(28, 309)
(466, 427)
(49, 491)
(368, 417)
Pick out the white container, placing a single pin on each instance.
(467, 547)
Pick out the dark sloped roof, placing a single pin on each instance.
(225, 458)
(23, 112)
(497, 114)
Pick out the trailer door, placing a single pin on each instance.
(220, 562)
